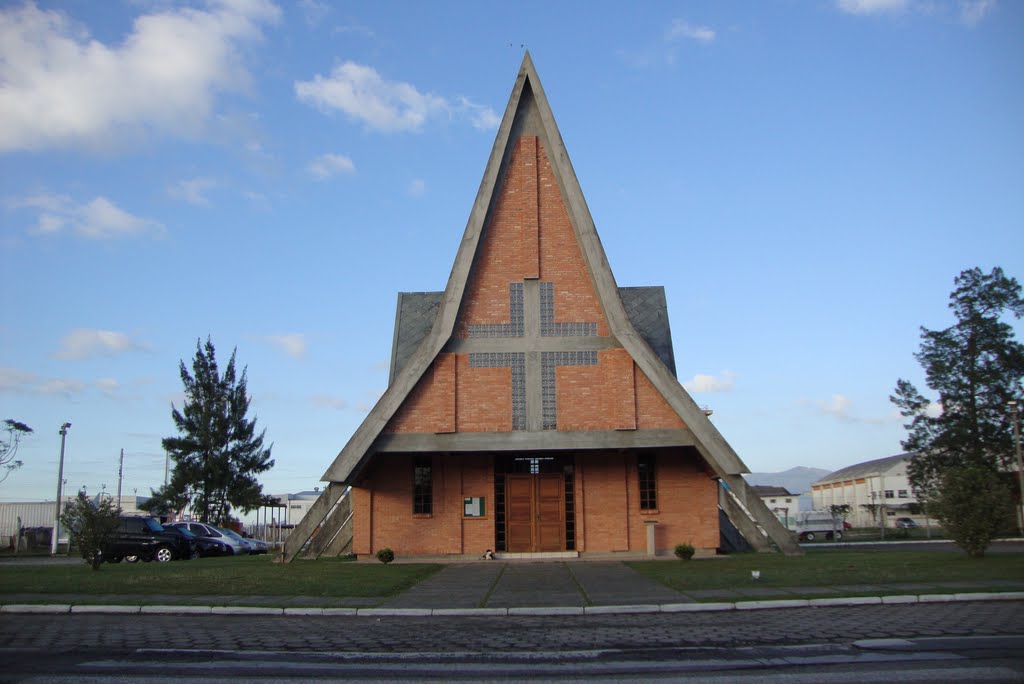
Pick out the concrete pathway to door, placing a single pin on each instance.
(502, 584)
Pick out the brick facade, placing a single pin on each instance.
(606, 504)
(529, 237)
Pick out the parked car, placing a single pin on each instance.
(142, 538)
(211, 532)
(252, 546)
(205, 546)
(905, 523)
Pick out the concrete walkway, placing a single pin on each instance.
(518, 588)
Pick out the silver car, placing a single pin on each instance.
(204, 530)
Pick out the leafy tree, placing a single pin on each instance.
(92, 527)
(973, 505)
(9, 446)
(839, 511)
(217, 453)
(975, 366)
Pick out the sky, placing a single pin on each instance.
(805, 179)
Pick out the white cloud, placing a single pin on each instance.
(417, 187)
(193, 190)
(61, 87)
(865, 7)
(108, 386)
(682, 29)
(292, 344)
(710, 383)
(98, 219)
(13, 381)
(973, 11)
(328, 165)
(840, 407)
(481, 117)
(84, 343)
(327, 401)
(314, 12)
(388, 106)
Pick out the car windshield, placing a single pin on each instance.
(153, 525)
(233, 535)
(188, 534)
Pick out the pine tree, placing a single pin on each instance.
(975, 366)
(217, 453)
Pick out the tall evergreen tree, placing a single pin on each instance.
(975, 366)
(217, 453)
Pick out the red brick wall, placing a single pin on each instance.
(608, 515)
(445, 530)
(483, 398)
(597, 397)
(652, 411)
(430, 407)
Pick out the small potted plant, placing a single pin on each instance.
(385, 555)
(685, 551)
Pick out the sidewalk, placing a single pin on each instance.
(524, 588)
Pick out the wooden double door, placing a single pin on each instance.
(535, 512)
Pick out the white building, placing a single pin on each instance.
(869, 489)
(781, 502)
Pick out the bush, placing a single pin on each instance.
(972, 504)
(685, 551)
(91, 527)
(385, 555)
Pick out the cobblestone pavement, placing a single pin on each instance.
(112, 633)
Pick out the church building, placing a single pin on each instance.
(533, 405)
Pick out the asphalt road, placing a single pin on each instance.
(978, 641)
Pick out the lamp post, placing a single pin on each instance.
(1015, 409)
(60, 486)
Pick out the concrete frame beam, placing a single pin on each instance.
(301, 533)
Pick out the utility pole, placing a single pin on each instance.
(120, 476)
(60, 487)
(1015, 408)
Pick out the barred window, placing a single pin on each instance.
(648, 484)
(423, 486)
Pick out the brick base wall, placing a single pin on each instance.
(608, 515)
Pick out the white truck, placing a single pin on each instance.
(812, 525)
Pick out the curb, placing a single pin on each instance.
(79, 609)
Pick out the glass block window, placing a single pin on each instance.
(648, 483)
(423, 486)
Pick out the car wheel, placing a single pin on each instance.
(809, 536)
(839, 535)
(163, 555)
(131, 559)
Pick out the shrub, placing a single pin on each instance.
(91, 527)
(973, 505)
(685, 551)
(385, 555)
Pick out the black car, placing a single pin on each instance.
(204, 531)
(146, 539)
(205, 546)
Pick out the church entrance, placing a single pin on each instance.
(534, 516)
(534, 504)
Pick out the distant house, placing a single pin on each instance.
(871, 489)
(780, 501)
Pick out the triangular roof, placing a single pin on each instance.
(528, 107)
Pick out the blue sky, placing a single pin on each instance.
(804, 178)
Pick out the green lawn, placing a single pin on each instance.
(245, 576)
(827, 567)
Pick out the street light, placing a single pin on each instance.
(1015, 409)
(60, 485)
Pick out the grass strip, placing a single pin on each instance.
(245, 576)
(831, 567)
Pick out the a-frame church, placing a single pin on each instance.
(533, 406)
